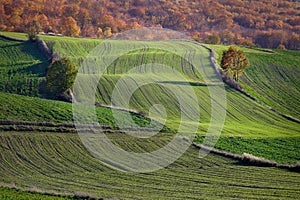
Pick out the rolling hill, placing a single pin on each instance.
(272, 77)
(57, 161)
(281, 73)
(22, 67)
(245, 118)
(252, 115)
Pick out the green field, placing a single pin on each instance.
(14, 194)
(59, 162)
(31, 109)
(22, 36)
(19, 108)
(278, 69)
(73, 48)
(22, 67)
(280, 149)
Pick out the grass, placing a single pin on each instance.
(13, 194)
(272, 77)
(31, 109)
(59, 162)
(280, 70)
(20, 108)
(22, 36)
(22, 67)
(245, 117)
(74, 48)
(280, 149)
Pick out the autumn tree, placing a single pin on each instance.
(32, 29)
(247, 18)
(43, 21)
(99, 33)
(107, 32)
(227, 38)
(234, 61)
(281, 47)
(69, 27)
(60, 78)
(70, 10)
(213, 39)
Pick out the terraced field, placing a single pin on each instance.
(59, 162)
(244, 117)
(29, 109)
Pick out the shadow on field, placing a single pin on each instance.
(188, 83)
(11, 45)
(38, 69)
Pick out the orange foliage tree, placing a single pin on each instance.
(69, 27)
(235, 62)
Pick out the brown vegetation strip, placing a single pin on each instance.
(248, 159)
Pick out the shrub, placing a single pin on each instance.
(60, 78)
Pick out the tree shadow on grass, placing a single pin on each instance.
(188, 83)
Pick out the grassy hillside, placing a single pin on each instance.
(273, 78)
(245, 118)
(59, 162)
(31, 109)
(22, 36)
(74, 48)
(22, 67)
(280, 147)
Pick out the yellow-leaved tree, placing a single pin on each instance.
(234, 62)
(69, 27)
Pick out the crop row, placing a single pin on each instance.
(59, 162)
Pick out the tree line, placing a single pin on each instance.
(233, 21)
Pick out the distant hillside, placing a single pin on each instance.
(267, 23)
